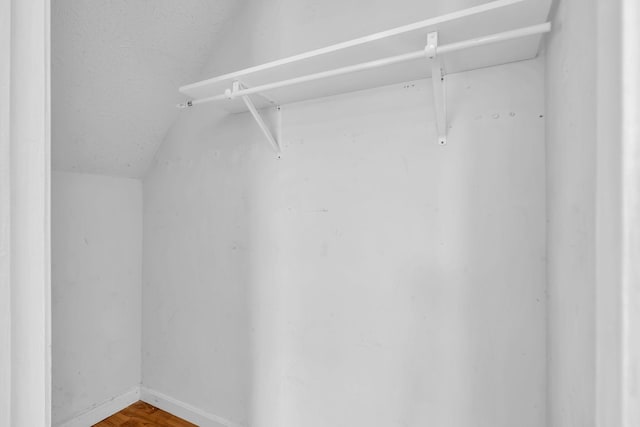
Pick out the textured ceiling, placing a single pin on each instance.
(116, 68)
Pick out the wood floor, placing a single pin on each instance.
(141, 414)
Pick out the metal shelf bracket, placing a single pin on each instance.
(439, 93)
(256, 115)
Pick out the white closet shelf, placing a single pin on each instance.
(494, 33)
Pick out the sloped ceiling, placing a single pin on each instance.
(116, 67)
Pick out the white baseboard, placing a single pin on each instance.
(155, 398)
(103, 410)
(183, 410)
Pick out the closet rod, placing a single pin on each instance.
(448, 48)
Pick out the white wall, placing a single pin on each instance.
(116, 66)
(571, 198)
(371, 276)
(97, 258)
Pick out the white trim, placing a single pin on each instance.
(5, 210)
(618, 216)
(152, 397)
(630, 214)
(28, 235)
(184, 410)
(104, 410)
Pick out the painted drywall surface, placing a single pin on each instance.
(116, 67)
(96, 268)
(117, 64)
(571, 174)
(370, 276)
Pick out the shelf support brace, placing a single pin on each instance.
(437, 79)
(256, 116)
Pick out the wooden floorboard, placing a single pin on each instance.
(141, 414)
